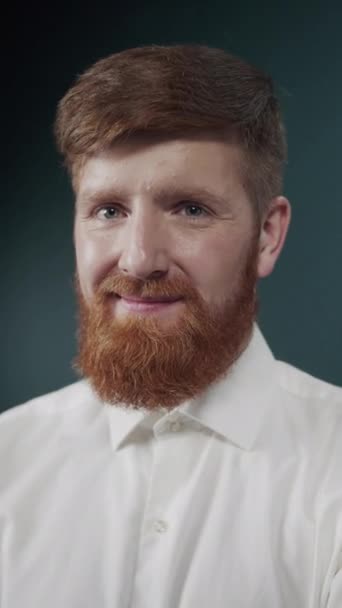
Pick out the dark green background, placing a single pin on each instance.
(298, 43)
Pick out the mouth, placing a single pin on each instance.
(149, 300)
(146, 305)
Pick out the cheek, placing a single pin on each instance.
(215, 268)
(90, 258)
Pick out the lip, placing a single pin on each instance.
(146, 305)
(158, 300)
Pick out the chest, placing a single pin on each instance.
(177, 522)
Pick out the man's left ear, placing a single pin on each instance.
(273, 234)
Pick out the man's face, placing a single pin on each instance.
(157, 218)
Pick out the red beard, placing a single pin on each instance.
(140, 363)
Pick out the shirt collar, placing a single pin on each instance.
(233, 407)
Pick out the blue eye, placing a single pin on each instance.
(107, 210)
(192, 207)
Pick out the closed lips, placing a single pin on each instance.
(148, 300)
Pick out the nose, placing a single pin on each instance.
(144, 251)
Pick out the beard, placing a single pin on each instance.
(140, 363)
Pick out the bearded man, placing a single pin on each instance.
(187, 468)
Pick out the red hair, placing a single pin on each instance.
(174, 91)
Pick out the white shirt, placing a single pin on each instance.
(232, 500)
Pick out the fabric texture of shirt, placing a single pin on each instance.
(232, 499)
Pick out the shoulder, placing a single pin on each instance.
(65, 397)
(311, 412)
(305, 386)
(31, 417)
(40, 437)
(43, 431)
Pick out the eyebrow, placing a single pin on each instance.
(161, 195)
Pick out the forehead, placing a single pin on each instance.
(147, 164)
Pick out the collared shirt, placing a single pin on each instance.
(231, 499)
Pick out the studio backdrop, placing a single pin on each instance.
(297, 43)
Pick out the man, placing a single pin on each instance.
(187, 468)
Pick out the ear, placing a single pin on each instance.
(273, 234)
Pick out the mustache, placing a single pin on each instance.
(139, 288)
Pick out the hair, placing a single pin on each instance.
(177, 91)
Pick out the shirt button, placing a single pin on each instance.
(160, 525)
(175, 425)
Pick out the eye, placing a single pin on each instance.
(109, 212)
(195, 211)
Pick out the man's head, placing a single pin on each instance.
(176, 158)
